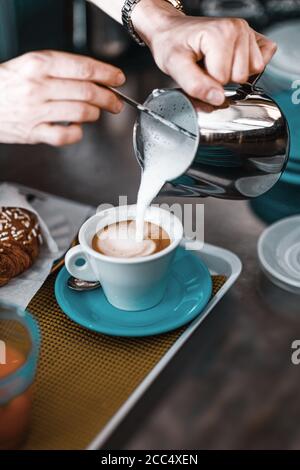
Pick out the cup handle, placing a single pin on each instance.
(75, 268)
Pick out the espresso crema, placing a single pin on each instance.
(119, 240)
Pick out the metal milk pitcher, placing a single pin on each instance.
(240, 149)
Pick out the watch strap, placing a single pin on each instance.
(127, 22)
(127, 12)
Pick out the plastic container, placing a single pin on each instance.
(19, 350)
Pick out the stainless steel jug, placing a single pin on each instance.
(241, 148)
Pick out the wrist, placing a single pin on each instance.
(151, 17)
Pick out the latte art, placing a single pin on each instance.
(119, 240)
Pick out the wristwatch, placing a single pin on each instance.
(127, 12)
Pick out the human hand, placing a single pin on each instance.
(41, 90)
(231, 51)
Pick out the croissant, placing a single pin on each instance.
(20, 241)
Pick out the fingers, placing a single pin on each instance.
(77, 90)
(218, 57)
(195, 82)
(55, 135)
(236, 60)
(256, 61)
(253, 53)
(266, 46)
(240, 64)
(48, 101)
(66, 65)
(232, 52)
(69, 111)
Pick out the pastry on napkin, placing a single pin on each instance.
(21, 234)
(20, 240)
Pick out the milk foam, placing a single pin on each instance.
(166, 153)
(119, 240)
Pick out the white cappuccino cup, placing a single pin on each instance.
(136, 283)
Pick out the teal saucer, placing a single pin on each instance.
(189, 290)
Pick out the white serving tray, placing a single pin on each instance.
(218, 261)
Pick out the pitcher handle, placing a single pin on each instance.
(246, 88)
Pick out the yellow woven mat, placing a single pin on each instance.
(84, 377)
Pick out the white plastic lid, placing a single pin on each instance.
(279, 253)
(286, 61)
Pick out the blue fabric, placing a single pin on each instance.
(292, 113)
(284, 199)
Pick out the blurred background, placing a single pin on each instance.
(233, 386)
(79, 26)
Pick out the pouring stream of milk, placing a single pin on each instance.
(166, 155)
